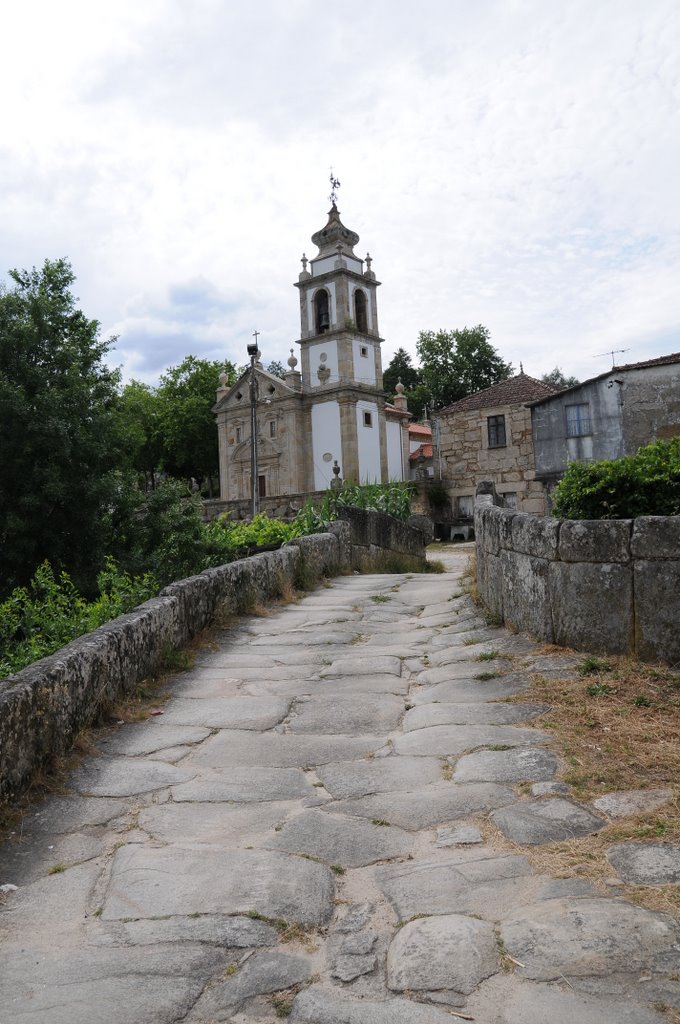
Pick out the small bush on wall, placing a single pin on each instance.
(645, 484)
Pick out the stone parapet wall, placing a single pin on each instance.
(377, 538)
(609, 586)
(43, 707)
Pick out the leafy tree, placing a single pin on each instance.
(458, 363)
(58, 435)
(558, 379)
(400, 369)
(187, 424)
(139, 413)
(276, 368)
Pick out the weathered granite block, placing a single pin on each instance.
(592, 606)
(535, 535)
(656, 537)
(600, 540)
(526, 599)
(505, 528)
(657, 609)
(487, 527)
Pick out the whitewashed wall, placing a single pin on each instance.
(326, 440)
(368, 443)
(395, 468)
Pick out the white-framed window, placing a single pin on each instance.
(368, 418)
(578, 420)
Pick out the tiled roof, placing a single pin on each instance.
(645, 364)
(420, 428)
(513, 391)
(426, 449)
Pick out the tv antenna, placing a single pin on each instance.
(611, 352)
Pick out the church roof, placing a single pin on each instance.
(333, 234)
(513, 391)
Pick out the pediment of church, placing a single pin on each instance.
(266, 451)
(270, 388)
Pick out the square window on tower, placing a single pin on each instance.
(364, 351)
(368, 419)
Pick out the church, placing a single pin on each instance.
(328, 418)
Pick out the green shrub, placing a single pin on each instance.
(645, 484)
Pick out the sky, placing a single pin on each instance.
(513, 163)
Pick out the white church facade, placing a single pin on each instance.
(330, 411)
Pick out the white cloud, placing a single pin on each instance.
(509, 163)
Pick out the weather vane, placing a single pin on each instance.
(335, 185)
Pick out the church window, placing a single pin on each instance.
(368, 419)
(364, 351)
(496, 428)
(360, 311)
(321, 311)
(262, 486)
(271, 389)
(272, 428)
(239, 396)
(239, 434)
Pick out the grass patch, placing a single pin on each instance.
(380, 821)
(487, 656)
(380, 598)
(484, 676)
(337, 869)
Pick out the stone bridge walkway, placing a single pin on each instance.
(300, 835)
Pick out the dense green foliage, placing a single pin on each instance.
(558, 380)
(59, 435)
(455, 364)
(645, 484)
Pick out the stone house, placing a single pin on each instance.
(333, 409)
(487, 436)
(606, 417)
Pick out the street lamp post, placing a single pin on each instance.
(254, 483)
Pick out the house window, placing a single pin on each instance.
(360, 311)
(321, 311)
(510, 499)
(466, 506)
(272, 428)
(496, 429)
(368, 419)
(578, 420)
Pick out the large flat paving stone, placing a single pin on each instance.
(546, 821)
(77, 986)
(632, 801)
(245, 785)
(340, 840)
(224, 825)
(589, 938)
(126, 776)
(450, 952)
(348, 715)
(347, 779)
(363, 665)
(453, 740)
(274, 750)
(333, 686)
(229, 712)
(507, 999)
(474, 881)
(472, 690)
(424, 716)
(187, 880)
(465, 670)
(516, 765)
(431, 805)
(262, 974)
(317, 1005)
(61, 814)
(149, 737)
(226, 932)
(646, 863)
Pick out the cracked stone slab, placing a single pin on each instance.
(506, 999)
(149, 737)
(245, 785)
(471, 882)
(63, 985)
(69, 813)
(450, 952)
(632, 801)
(462, 835)
(38, 855)
(356, 917)
(452, 740)
(515, 765)
(483, 713)
(262, 974)
(431, 805)
(126, 776)
(340, 840)
(332, 687)
(347, 715)
(589, 938)
(318, 1005)
(348, 967)
(348, 779)
(466, 670)
(646, 863)
(215, 824)
(470, 691)
(226, 932)
(228, 713)
(149, 882)
(274, 750)
(534, 822)
(363, 665)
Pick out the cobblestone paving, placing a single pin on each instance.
(299, 835)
